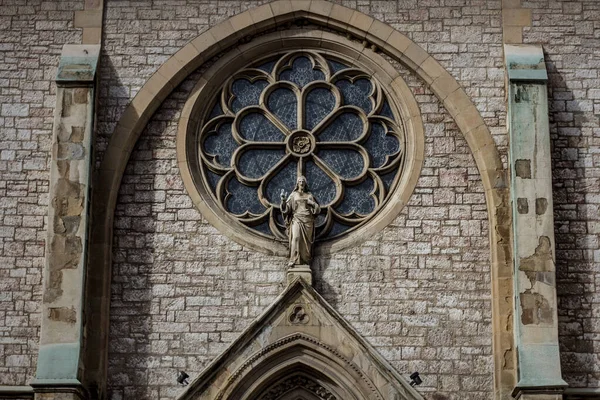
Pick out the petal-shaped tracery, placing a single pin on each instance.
(301, 113)
(380, 144)
(345, 127)
(336, 66)
(357, 93)
(283, 103)
(255, 162)
(281, 179)
(319, 103)
(302, 72)
(346, 162)
(255, 127)
(220, 144)
(246, 93)
(321, 185)
(241, 199)
(358, 199)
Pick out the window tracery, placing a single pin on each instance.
(301, 113)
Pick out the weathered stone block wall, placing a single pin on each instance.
(32, 34)
(419, 291)
(570, 35)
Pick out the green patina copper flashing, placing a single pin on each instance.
(57, 361)
(78, 63)
(535, 313)
(525, 63)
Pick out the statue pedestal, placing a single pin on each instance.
(303, 271)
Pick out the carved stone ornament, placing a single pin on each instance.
(299, 210)
(316, 358)
(311, 113)
(298, 315)
(298, 381)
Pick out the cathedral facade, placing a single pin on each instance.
(354, 199)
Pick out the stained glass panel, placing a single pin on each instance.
(357, 93)
(263, 228)
(242, 198)
(379, 145)
(336, 66)
(332, 148)
(345, 127)
(268, 66)
(358, 198)
(346, 163)
(256, 127)
(283, 103)
(246, 93)
(320, 184)
(319, 103)
(388, 179)
(284, 179)
(222, 145)
(337, 228)
(213, 179)
(216, 110)
(386, 111)
(302, 72)
(255, 163)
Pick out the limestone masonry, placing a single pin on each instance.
(112, 280)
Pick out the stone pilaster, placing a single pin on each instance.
(536, 321)
(59, 366)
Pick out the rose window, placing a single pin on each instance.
(301, 113)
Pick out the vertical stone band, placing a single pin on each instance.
(59, 368)
(536, 320)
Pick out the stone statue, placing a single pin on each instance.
(299, 212)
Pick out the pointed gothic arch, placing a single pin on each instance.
(327, 352)
(232, 34)
(299, 356)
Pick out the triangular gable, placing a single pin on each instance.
(300, 343)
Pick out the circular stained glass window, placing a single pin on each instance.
(301, 113)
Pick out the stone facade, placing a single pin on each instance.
(33, 34)
(568, 33)
(419, 291)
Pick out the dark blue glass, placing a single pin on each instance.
(257, 128)
(386, 111)
(346, 163)
(263, 228)
(320, 219)
(242, 198)
(379, 145)
(284, 179)
(255, 163)
(336, 66)
(388, 179)
(302, 73)
(358, 198)
(267, 67)
(319, 103)
(246, 93)
(222, 145)
(282, 103)
(213, 179)
(320, 184)
(337, 228)
(216, 110)
(345, 127)
(357, 93)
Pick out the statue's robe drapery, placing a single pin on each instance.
(300, 221)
